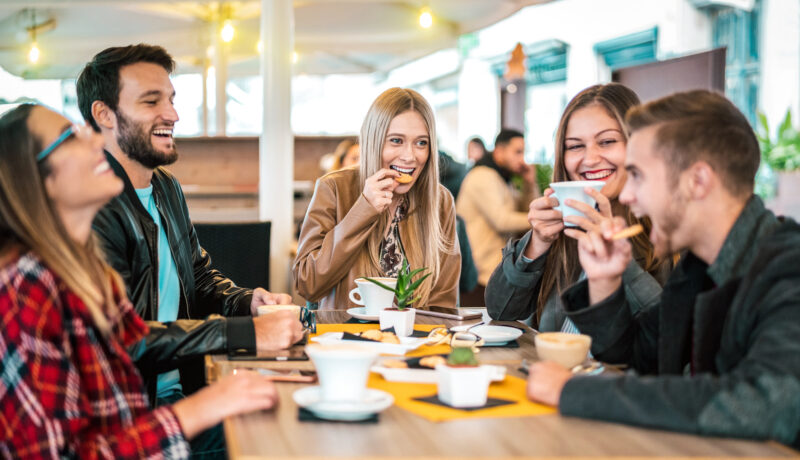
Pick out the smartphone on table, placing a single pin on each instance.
(294, 353)
(288, 375)
(458, 314)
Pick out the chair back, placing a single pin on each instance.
(240, 250)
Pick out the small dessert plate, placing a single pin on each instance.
(406, 343)
(393, 374)
(496, 334)
(310, 398)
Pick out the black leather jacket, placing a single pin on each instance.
(129, 237)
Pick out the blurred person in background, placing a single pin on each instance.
(493, 207)
(476, 150)
(537, 268)
(364, 222)
(347, 154)
(70, 389)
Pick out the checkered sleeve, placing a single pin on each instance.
(64, 391)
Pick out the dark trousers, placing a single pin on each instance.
(475, 297)
(208, 445)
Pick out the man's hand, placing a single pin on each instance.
(602, 259)
(546, 380)
(262, 296)
(277, 330)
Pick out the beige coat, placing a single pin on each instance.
(336, 228)
(493, 213)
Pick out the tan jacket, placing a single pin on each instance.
(493, 214)
(338, 222)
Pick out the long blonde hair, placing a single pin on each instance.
(426, 239)
(28, 219)
(562, 267)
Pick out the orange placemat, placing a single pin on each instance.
(512, 388)
(355, 328)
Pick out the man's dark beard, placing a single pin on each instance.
(135, 142)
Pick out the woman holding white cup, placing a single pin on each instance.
(364, 222)
(590, 146)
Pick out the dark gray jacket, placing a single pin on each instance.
(721, 350)
(514, 288)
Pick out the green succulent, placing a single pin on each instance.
(462, 356)
(406, 285)
(781, 153)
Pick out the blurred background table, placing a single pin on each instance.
(278, 433)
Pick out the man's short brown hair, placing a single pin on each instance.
(702, 126)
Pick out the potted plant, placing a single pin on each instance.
(401, 316)
(462, 382)
(781, 158)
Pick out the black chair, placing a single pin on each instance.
(240, 250)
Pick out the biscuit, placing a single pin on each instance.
(404, 178)
(395, 364)
(432, 361)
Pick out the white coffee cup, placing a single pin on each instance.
(342, 370)
(566, 349)
(574, 190)
(373, 297)
(267, 309)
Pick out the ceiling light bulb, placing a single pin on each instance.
(227, 31)
(425, 18)
(294, 57)
(33, 54)
(260, 47)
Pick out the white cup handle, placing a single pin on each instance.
(353, 299)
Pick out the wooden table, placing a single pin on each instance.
(278, 434)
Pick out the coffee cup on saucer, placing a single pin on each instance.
(342, 370)
(373, 297)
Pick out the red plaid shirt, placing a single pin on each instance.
(65, 391)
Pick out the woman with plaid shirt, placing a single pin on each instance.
(68, 389)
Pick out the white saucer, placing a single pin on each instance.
(496, 334)
(361, 313)
(310, 398)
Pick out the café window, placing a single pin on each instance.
(629, 50)
(738, 31)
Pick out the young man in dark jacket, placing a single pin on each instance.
(148, 237)
(720, 354)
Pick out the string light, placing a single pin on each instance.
(227, 31)
(425, 18)
(33, 54)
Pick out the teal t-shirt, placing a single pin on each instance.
(168, 287)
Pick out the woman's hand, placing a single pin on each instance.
(245, 391)
(546, 224)
(378, 189)
(592, 218)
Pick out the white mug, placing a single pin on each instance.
(342, 370)
(574, 190)
(373, 297)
